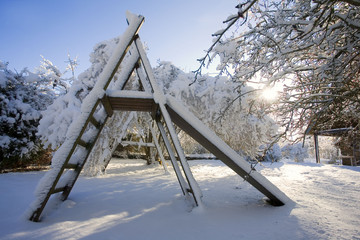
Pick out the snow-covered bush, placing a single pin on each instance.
(295, 151)
(273, 154)
(22, 97)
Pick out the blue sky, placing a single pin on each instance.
(176, 31)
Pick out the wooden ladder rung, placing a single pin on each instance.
(95, 122)
(71, 166)
(57, 190)
(83, 143)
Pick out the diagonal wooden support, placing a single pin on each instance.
(160, 99)
(183, 184)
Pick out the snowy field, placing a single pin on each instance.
(135, 201)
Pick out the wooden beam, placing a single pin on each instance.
(156, 142)
(331, 132)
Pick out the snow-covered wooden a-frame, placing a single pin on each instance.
(165, 111)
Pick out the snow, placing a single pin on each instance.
(128, 94)
(136, 201)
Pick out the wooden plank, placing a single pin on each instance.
(317, 154)
(127, 47)
(67, 191)
(161, 155)
(160, 98)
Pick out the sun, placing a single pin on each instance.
(269, 94)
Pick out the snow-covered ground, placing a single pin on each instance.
(135, 201)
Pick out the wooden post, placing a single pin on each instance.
(316, 141)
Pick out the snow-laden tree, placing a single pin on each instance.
(312, 48)
(60, 84)
(23, 96)
(240, 122)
